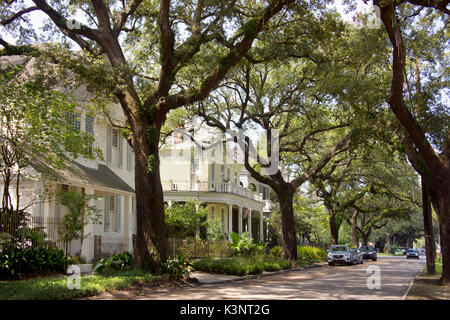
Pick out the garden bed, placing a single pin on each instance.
(241, 266)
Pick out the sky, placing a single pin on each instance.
(38, 17)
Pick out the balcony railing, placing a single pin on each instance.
(211, 186)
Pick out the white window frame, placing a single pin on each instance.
(116, 216)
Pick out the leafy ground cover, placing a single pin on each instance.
(256, 264)
(56, 288)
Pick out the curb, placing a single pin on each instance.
(405, 295)
(264, 274)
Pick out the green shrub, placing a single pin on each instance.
(308, 255)
(179, 268)
(276, 251)
(118, 261)
(15, 262)
(244, 245)
(241, 266)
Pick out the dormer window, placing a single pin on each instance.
(114, 147)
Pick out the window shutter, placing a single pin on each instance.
(106, 218)
(119, 213)
(108, 145)
(128, 157)
(120, 142)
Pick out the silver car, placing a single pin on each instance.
(412, 253)
(342, 254)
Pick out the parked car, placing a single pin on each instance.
(412, 253)
(360, 255)
(342, 254)
(369, 252)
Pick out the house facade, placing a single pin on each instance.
(231, 196)
(212, 174)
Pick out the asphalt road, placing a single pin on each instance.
(386, 279)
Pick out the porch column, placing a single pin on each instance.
(230, 220)
(240, 221)
(87, 250)
(261, 227)
(249, 223)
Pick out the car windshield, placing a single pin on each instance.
(412, 250)
(338, 248)
(365, 248)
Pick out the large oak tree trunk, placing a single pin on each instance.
(443, 201)
(289, 243)
(334, 228)
(354, 227)
(438, 166)
(388, 242)
(151, 241)
(428, 230)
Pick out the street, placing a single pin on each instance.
(360, 282)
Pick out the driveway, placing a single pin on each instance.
(386, 279)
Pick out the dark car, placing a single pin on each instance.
(369, 252)
(412, 253)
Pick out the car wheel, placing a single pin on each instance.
(330, 264)
(374, 259)
(362, 261)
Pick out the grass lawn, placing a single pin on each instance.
(55, 288)
(383, 254)
(426, 287)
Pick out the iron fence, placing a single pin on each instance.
(34, 230)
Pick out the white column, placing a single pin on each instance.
(87, 250)
(130, 224)
(230, 220)
(261, 226)
(249, 223)
(240, 221)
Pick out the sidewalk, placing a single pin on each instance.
(217, 278)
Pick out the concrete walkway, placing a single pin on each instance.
(217, 278)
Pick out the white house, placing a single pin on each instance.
(215, 177)
(222, 186)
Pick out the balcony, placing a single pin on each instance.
(211, 186)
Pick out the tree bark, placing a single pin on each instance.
(354, 227)
(437, 166)
(334, 229)
(388, 242)
(443, 201)
(151, 241)
(289, 235)
(430, 246)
